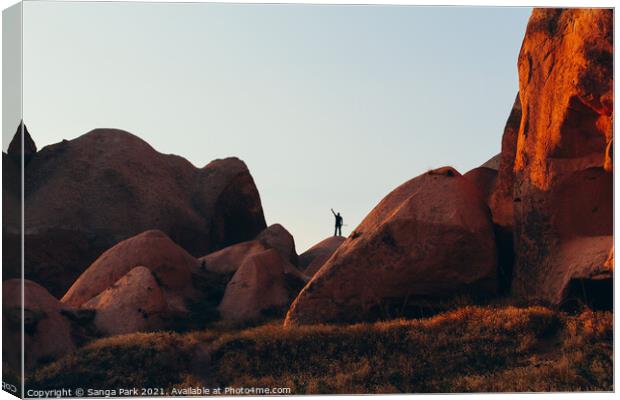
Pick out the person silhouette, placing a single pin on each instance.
(338, 228)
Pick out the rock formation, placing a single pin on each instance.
(11, 199)
(84, 195)
(278, 238)
(431, 237)
(502, 198)
(47, 332)
(493, 162)
(483, 179)
(562, 184)
(11, 218)
(15, 149)
(170, 265)
(215, 270)
(263, 286)
(314, 258)
(229, 259)
(135, 303)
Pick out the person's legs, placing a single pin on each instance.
(336, 231)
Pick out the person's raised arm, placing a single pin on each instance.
(333, 211)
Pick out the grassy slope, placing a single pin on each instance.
(468, 349)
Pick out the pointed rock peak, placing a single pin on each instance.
(15, 146)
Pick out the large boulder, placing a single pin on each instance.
(229, 259)
(313, 259)
(263, 286)
(581, 273)
(278, 238)
(135, 303)
(47, 332)
(84, 195)
(429, 239)
(563, 187)
(170, 264)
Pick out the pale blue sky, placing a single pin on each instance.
(329, 106)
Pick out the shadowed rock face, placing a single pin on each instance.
(562, 183)
(229, 259)
(483, 179)
(48, 333)
(15, 149)
(431, 237)
(502, 199)
(313, 259)
(84, 195)
(215, 270)
(264, 285)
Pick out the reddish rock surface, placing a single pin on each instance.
(430, 237)
(278, 238)
(263, 286)
(566, 88)
(483, 179)
(47, 331)
(562, 186)
(109, 185)
(229, 259)
(501, 200)
(576, 262)
(170, 264)
(314, 258)
(493, 162)
(135, 303)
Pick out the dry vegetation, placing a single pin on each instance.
(468, 349)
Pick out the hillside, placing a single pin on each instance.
(471, 349)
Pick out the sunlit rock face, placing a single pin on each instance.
(430, 238)
(134, 303)
(562, 193)
(169, 263)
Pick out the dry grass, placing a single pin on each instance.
(470, 349)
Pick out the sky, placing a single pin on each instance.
(329, 106)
